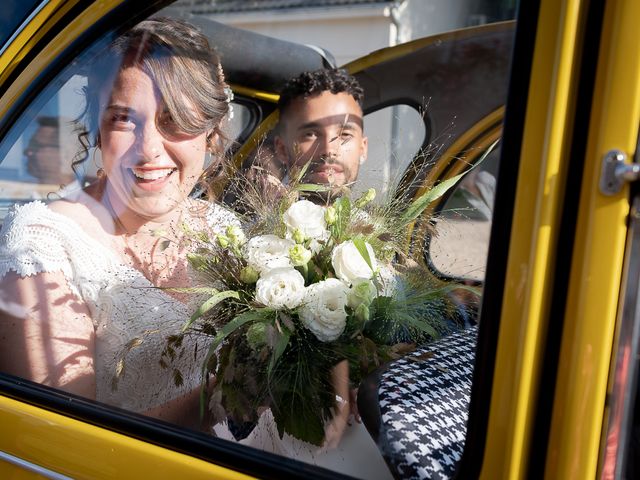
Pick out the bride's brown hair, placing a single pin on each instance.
(183, 66)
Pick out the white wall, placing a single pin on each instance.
(420, 18)
(348, 33)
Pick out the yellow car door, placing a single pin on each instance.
(551, 330)
(562, 299)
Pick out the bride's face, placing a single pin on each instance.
(151, 166)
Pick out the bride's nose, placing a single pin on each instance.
(150, 142)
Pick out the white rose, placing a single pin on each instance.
(307, 218)
(280, 287)
(349, 265)
(266, 252)
(323, 311)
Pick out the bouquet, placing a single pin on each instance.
(304, 286)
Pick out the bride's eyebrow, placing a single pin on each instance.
(114, 107)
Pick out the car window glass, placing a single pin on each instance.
(396, 134)
(465, 214)
(38, 163)
(102, 177)
(239, 119)
(12, 15)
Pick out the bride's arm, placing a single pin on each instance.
(47, 336)
(46, 333)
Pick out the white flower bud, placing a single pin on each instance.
(299, 255)
(330, 215)
(367, 197)
(249, 275)
(236, 235)
(298, 236)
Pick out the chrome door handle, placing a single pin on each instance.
(615, 172)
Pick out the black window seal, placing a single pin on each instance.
(518, 94)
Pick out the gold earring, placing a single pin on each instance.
(93, 159)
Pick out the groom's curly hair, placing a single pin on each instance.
(308, 84)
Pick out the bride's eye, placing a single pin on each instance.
(119, 119)
(167, 124)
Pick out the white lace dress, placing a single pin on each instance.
(129, 315)
(126, 308)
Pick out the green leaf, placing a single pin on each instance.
(278, 350)
(343, 214)
(424, 200)
(300, 419)
(435, 192)
(298, 176)
(164, 244)
(209, 304)
(311, 187)
(364, 252)
(419, 324)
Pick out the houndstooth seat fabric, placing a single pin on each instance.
(424, 403)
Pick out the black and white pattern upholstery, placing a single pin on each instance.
(424, 403)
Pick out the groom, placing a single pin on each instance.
(321, 127)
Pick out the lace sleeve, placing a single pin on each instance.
(31, 242)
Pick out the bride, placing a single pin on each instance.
(78, 275)
(78, 295)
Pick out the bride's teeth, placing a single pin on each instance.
(151, 174)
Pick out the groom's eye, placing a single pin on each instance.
(309, 135)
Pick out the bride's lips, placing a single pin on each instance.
(153, 178)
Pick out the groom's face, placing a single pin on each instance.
(323, 131)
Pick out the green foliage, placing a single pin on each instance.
(362, 249)
(300, 387)
(421, 203)
(209, 304)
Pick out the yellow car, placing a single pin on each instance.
(548, 231)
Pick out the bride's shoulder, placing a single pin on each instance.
(36, 213)
(83, 210)
(62, 216)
